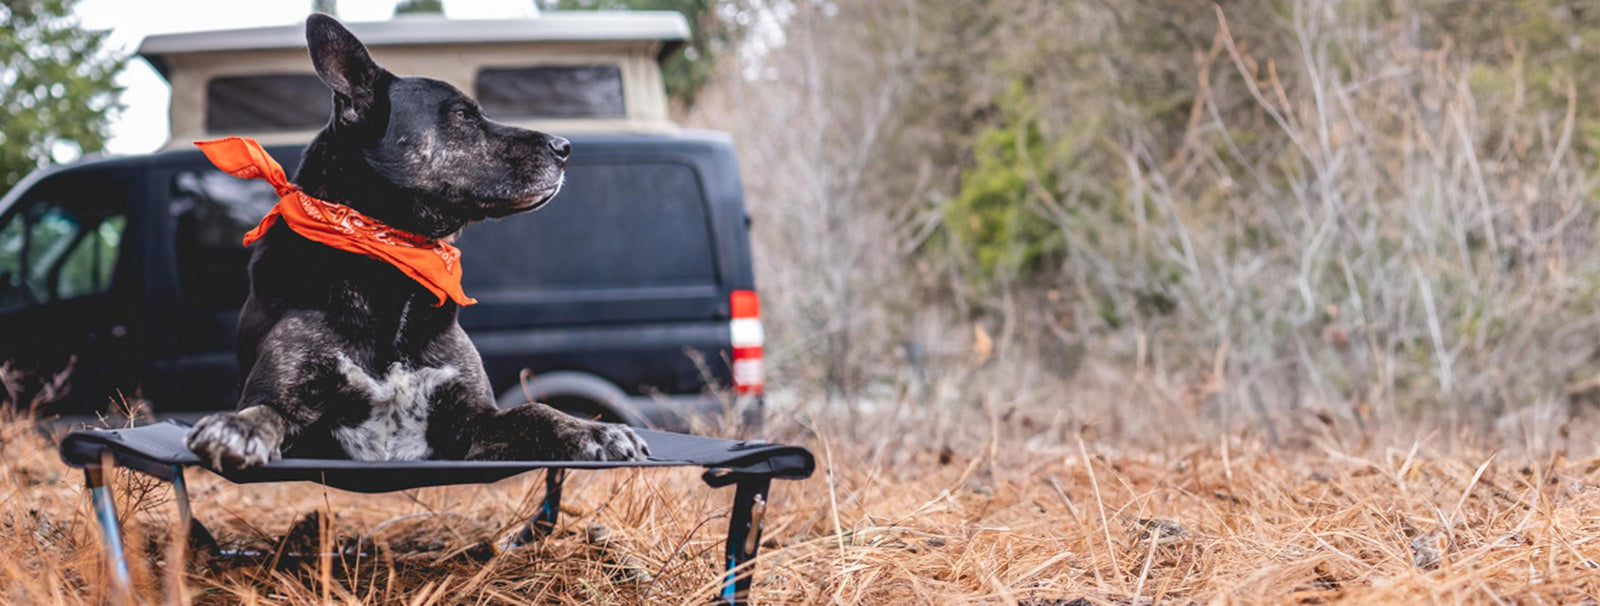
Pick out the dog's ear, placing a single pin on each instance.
(343, 64)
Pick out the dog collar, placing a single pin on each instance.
(432, 263)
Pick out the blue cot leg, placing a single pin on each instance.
(105, 511)
(744, 538)
(544, 522)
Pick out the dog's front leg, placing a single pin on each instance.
(530, 432)
(231, 440)
(465, 424)
(283, 393)
(537, 432)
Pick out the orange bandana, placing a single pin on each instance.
(432, 263)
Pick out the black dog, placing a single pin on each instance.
(344, 355)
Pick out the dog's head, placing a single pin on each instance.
(421, 140)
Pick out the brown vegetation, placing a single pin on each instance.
(902, 518)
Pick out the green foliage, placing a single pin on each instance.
(709, 35)
(993, 217)
(56, 85)
(1529, 51)
(407, 7)
(1078, 97)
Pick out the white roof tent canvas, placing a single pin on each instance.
(575, 71)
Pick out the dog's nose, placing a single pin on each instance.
(561, 147)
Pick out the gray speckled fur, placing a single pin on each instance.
(398, 427)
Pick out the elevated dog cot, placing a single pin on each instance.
(158, 450)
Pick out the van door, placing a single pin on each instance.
(68, 296)
(195, 308)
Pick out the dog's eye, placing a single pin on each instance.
(462, 114)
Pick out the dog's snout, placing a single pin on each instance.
(561, 146)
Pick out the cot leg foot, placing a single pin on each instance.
(544, 522)
(744, 539)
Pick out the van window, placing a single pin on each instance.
(586, 91)
(267, 103)
(57, 250)
(213, 211)
(612, 226)
(87, 267)
(11, 241)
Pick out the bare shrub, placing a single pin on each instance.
(811, 118)
(1287, 217)
(35, 388)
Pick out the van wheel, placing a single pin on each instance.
(578, 394)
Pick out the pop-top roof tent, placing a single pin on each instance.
(561, 71)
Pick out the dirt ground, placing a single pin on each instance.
(899, 519)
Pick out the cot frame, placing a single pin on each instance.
(98, 452)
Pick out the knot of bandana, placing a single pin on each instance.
(432, 263)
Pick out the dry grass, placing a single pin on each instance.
(903, 518)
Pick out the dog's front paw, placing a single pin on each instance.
(231, 440)
(592, 441)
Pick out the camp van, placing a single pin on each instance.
(630, 297)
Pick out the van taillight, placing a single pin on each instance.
(747, 338)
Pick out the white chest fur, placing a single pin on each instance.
(397, 429)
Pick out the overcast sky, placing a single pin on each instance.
(142, 126)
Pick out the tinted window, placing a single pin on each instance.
(213, 211)
(612, 226)
(54, 250)
(267, 103)
(87, 267)
(593, 91)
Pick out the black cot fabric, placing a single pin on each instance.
(158, 450)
